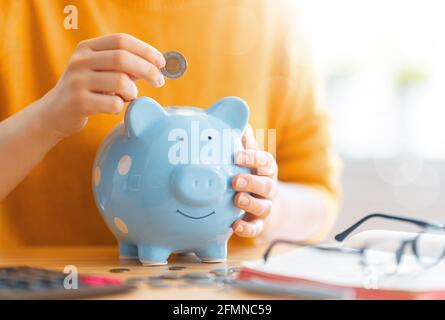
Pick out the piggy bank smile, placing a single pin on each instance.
(195, 217)
(162, 180)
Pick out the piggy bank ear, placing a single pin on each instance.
(141, 114)
(232, 110)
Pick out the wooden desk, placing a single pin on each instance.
(98, 260)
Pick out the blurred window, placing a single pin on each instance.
(383, 64)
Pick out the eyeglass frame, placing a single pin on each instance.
(266, 254)
(425, 224)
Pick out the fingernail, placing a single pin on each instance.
(134, 90)
(241, 182)
(161, 80)
(243, 200)
(159, 61)
(258, 227)
(239, 229)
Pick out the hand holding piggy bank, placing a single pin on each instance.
(162, 180)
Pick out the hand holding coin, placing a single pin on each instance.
(175, 65)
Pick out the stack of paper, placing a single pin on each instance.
(342, 270)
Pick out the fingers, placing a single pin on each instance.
(263, 161)
(129, 43)
(102, 103)
(259, 185)
(123, 53)
(262, 184)
(248, 229)
(248, 139)
(124, 61)
(260, 208)
(112, 82)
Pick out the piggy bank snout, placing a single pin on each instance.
(197, 185)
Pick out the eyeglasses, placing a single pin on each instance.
(427, 246)
(388, 257)
(421, 223)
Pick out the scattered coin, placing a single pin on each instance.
(159, 284)
(174, 268)
(170, 276)
(119, 270)
(156, 282)
(220, 272)
(135, 280)
(222, 279)
(234, 269)
(198, 275)
(175, 65)
(201, 281)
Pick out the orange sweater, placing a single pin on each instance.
(247, 48)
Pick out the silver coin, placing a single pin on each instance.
(201, 281)
(156, 282)
(175, 65)
(222, 279)
(174, 268)
(220, 272)
(198, 275)
(159, 284)
(135, 280)
(235, 269)
(170, 276)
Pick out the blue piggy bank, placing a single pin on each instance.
(162, 179)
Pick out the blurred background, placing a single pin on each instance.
(383, 67)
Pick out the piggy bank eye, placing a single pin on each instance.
(209, 137)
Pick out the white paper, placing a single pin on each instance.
(345, 270)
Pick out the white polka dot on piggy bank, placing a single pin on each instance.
(162, 179)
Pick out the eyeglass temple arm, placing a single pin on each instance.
(301, 244)
(421, 223)
(275, 242)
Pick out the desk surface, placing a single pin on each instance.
(98, 260)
